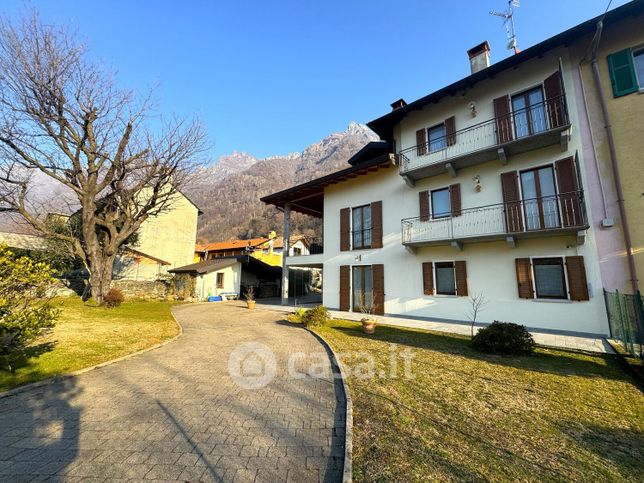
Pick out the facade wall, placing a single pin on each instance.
(626, 120)
(170, 236)
(490, 265)
(207, 283)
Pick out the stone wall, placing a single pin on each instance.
(143, 289)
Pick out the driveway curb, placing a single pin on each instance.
(347, 473)
(62, 377)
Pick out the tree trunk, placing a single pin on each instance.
(100, 277)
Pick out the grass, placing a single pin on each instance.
(86, 335)
(555, 415)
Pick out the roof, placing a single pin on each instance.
(142, 254)
(253, 243)
(231, 245)
(369, 151)
(308, 198)
(206, 266)
(384, 125)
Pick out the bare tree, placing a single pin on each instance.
(477, 304)
(63, 118)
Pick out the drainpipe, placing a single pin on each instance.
(287, 236)
(613, 161)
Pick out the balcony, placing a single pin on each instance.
(562, 214)
(540, 125)
(312, 257)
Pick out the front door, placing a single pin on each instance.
(362, 287)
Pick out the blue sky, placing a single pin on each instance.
(271, 77)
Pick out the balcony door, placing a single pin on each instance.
(539, 193)
(362, 287)
(529, 113)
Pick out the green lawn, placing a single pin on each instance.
(86, 335)
(555, 415)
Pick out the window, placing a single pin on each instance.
(362, 287)
(445, 278)
(540, 203)
(625, 69)
(361, 218)
(441, 206)
(529, 113)
(436, 138)
(638, 56)
(220, 280)
(549, 279)
(297, 252)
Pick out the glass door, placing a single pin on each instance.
(539, 195)
(362, 287)
(529, 113)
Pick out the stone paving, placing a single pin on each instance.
(175, 413)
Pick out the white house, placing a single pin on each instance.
(476, 188)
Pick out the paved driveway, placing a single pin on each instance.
(175, 413)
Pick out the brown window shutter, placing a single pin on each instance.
(555, 102)
(455, 199)
(569, 197)
(524, 278)
(345, 287)
(423, 201)
(503, 119)
(577, 283)
(450, 131)
(428, 278)
(460, 271)
(344, 229)
(512, 201)
(378, 283)
(376, 224)
(421, 142)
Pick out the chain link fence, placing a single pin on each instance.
(626, 320)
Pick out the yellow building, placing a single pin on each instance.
(610, 84)
(164, 242)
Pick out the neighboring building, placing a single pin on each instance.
(615, 51)
(257, 247)
(479, 187)
(231, 276)
(23, 241)
(164, 241)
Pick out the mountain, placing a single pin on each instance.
(228, 192)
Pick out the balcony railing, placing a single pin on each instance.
(520, 130)
(563, 213)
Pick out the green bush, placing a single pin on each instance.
(297, 316)
(25, 311)
(113, 298)
(316, 317)
(504, 338)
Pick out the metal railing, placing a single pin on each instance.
(315, 247)
(626, 320)
(522, 123)
(548, 213)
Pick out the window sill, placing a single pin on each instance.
(553, 301)
(443, 296)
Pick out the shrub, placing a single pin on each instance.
(316, 317)
(25, 309)
(113, 298)
(504, 338)
(297, 316)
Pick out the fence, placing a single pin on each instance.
(626, 320)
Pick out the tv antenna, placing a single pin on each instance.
(508, 21)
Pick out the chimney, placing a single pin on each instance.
(479, 57)
(398, 104)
